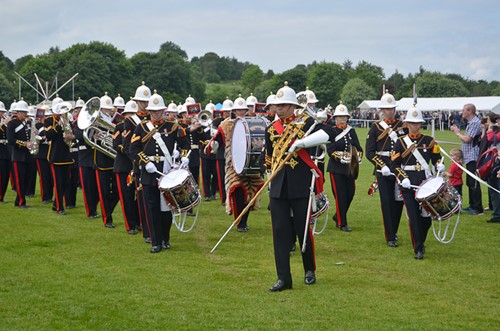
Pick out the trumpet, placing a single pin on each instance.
(97, 132)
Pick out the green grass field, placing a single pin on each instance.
(72, 273)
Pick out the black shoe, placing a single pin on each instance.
(132, 231)
(54, 208)
(23, 207)
(165, 245)
(280, 286)
(190, 213)
(70, 207)
(147, 240)
(3, 201)
(392, 243)
(419, 255)
(208, 198)
(93, 216)
(62, 212)
(47, 201)
(493, 220)
(344, 228)
(138, 228)
(310, 278)
(244, 229)
(109, 225)
(214, 197)
(155, 249)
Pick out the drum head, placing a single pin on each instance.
(240, 145)
(173, 178)
(429, 187)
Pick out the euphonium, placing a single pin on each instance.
(97, 132)
(205, 118)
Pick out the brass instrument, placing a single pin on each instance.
(205, 118)
(35, 139)
(97, 132)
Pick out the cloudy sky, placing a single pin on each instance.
(449, 36)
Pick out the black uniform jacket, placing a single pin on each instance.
(4, 149)
(85, 152)
(337, 148)
(378, 140)
(404, 157)
(18, 135)
(294, 179)
(122, 162)
(59, 153)
(143, 146)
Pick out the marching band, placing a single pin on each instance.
(148, 157)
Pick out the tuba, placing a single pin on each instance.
(97, 132)
(205, 118)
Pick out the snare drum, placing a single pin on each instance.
(179, 190)
(247, 143)
(321, 205)
(439, 198)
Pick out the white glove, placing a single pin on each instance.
(393, 135)
(184, 162)
(150, 167)
(406, 183)
(440, 167)
(317, 138)
(385, 171)
(175, 154)
(215, 146)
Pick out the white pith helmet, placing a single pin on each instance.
(56, 101)
(189, 100)
(239, 104)
(119, 102)
(130, 107)
(156, 102)
(13, 105)
(251, 100)
(31, 111)
(227, 105)
(414, 115)
(142, 93)
(285, 95)
(311, 97)
(270, 99)
(181, 108)
(210, 106)
(387, 101)
(21, 105)
(106, 102)
(341, 110)
(2, 106)
(172, 107)
(79, 103)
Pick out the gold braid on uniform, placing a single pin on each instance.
(383, 134)
(148, 136)
(280, 148)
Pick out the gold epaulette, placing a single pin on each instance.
(409, 150)
(395, 156)
(383, 134)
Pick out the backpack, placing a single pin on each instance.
(485, 163)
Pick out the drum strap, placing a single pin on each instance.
(302, 153)
(161, 143)
(343, 133)
(418, 156)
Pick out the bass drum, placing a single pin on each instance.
(247, 144)
(179, 190)
(439, 198)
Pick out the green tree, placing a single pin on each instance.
(436, 85)
(251, 78)
(394, 83)
(296, 78)
(327, 81)
(373, 75)
(7, 90)
(355, 91)
(172, 47)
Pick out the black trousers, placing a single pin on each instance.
(108, 194)
(46, 181)
(391, 209)
(221, 176)
(32, 172)
(160, 221)
(419, 225)
(475, 197)
(74, 182)
(343, 187)
(238, 204)
(141, 206)
(89, 189)
(210, 176)
(284, 226)
(20, 172)
(128, 201)
(60, 176)
(5, 166)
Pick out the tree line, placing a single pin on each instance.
(102, 67)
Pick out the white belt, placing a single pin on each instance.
(156, 158)
(385, 153)
(417, 167)
(82, 147)
(194, 147)
(72, 150)
(3, 141)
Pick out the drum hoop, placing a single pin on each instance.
(247, 135)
